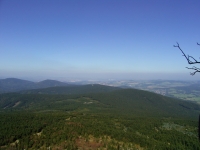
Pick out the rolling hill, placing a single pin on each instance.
(13, 84)
(98, 98)
(16, 85)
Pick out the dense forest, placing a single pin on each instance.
(105, 119)
(59, 130)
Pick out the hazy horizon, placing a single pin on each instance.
(138, 77)
(98, 40)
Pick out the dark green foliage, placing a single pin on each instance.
(124, 101)
(19, 125)
(118, 119)
(140, 102)
(63, 130)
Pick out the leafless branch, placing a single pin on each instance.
(194, 68)
(190, 60)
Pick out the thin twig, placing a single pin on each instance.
(194, 68)
(188, 58)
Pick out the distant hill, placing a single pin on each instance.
(73, 89)
(50, 83)
(15, 85)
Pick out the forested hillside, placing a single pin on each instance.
(97, 117)
(123, 101)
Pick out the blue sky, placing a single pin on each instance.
(98, 39)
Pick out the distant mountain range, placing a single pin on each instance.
(15, 85)
(187, 90)
(49, 87)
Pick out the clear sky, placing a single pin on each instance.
(98, 39)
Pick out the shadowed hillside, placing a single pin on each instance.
(98, 98)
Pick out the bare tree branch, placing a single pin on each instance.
(190, 60)
(194, 68)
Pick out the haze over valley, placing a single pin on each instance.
(99, 75)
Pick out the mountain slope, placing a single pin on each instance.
(145, 103)
(121, 102)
